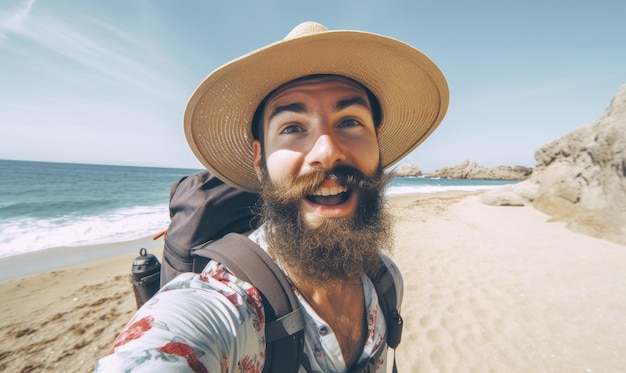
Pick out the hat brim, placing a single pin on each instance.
(412, 92)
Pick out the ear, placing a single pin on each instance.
(257, 151)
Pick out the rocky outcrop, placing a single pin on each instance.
(472, 170)
(581, 177)
(407, 170)
(519, 194)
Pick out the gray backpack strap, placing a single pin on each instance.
(388, 300)
(285, 323)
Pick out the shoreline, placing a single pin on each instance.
(57, 258)
(126, 224)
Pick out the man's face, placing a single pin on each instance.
(323, 186)
(316, 125)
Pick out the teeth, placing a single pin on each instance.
(332, 191)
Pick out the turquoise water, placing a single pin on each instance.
(45, 205)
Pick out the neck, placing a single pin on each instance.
(341, 305)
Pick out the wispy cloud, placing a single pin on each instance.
(14, 20)
(109, 56)
(105, 53)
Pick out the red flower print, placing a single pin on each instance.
(204, 277)
(135, 330)
(254, 300)
(249, 365)
(233, 298)
(183, 350)
(219, 272)
(371, 322)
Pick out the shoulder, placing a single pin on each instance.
(212, 317)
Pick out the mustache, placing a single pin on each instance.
(305, 185)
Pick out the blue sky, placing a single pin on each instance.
(107, 81)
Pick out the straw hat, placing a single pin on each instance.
(412, 92)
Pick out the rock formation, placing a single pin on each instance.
(472, 170)
(407, 170)
(581, 177)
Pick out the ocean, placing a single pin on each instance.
(45, 205)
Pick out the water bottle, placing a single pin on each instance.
(146, 276)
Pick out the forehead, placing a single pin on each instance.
(314, 83)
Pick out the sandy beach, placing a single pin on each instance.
(501, 289)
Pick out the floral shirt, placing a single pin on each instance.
(214, 322)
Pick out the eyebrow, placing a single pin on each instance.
(356, 100)
(298, 107)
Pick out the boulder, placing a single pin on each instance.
(520, 194)
(503, 197)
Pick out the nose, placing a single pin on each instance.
(325, 153)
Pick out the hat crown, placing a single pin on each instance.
(306, 28)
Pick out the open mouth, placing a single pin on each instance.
(330, 196)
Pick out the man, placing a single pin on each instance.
(311, 122)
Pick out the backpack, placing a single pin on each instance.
(207, 219)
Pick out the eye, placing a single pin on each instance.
(349, 122)
(292, 128)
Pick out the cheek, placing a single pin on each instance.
(367, 156)
(283, 164)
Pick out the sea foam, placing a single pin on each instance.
(24, 235)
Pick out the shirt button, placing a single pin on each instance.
(323, 330)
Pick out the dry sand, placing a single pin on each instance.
(487, 288)
(64, 320)
(503, 289)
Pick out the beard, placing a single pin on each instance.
(335, 250)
